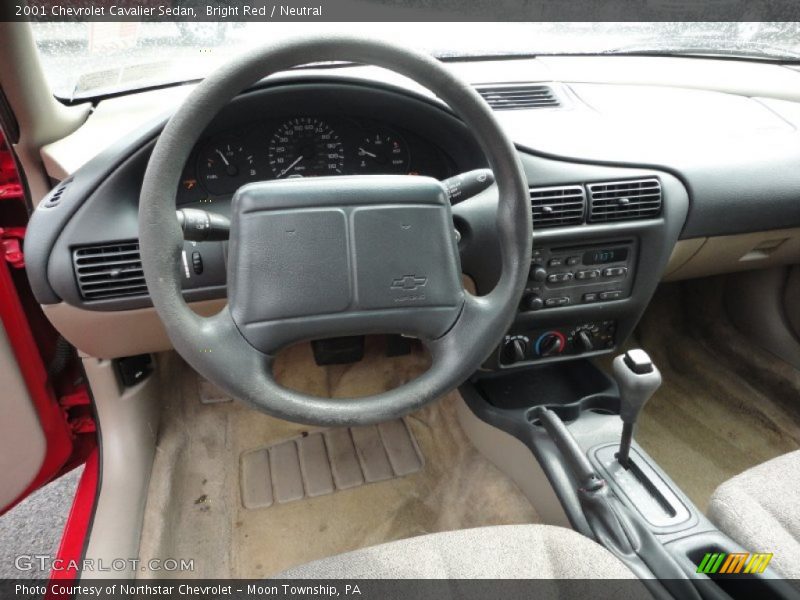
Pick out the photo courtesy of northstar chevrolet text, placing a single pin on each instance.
(400, 299)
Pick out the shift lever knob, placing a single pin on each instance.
(638, 379)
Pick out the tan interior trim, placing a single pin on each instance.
(22, 442)
(683, 251)
(117, 333)
(129, 421)
(42, 119)
(516, 460)
(741, 252)
(110, 122)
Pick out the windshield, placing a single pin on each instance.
(92, 59)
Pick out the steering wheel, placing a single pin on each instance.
(334, 256)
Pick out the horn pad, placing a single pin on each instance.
(333, 256)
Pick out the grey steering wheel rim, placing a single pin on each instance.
(214, 346)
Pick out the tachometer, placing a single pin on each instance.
(225, 166)
(382, 152)
(305, 147)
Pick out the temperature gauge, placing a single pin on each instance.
(383, 153)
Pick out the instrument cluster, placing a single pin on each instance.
(306, 146)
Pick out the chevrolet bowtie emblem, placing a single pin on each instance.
(409, 282)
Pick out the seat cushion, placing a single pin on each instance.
(499, 552)
(760, 509)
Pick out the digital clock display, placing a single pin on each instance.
(605, 255)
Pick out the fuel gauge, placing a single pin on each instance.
(225, 166)
(382, 152)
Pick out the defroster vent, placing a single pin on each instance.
(623, 200)
(109, 271)
(558, 206)
(518, 96)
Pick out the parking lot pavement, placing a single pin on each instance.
(34, 526)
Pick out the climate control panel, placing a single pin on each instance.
(567, 276)
(530, 346)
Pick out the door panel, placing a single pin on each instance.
(46, 426)
(23, 444)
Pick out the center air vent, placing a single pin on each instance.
(558, 206)
(109, 271)
(622, 200)
(518, 96)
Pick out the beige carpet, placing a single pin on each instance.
(194, 507)
(725, 404)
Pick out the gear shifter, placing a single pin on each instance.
(638, 379)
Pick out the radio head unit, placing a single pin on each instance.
(566, 276)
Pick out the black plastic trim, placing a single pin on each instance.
(101, 203)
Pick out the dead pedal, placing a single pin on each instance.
(210, 393)
(322, 462)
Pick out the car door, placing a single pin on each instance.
(46, 427)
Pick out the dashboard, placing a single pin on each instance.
(613, 199)
(307, 146)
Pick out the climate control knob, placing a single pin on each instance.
(514, 350)
(551, 343)
(584, 341)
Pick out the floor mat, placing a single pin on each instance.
(725, 404)
(195, 507)
(322, 462)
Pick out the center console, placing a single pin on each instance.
(602, 238)
(573, 418)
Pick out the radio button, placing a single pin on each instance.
(559, 277)
(588, 274)
(615, 295)
(538, 274)
(590, 297)
(532, 302)
(614, 271)
(573, 260)
(556, 301)
(555, 262)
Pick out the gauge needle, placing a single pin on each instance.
(290, 167)
(362, 151)
(222, 156)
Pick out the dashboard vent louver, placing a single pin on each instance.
(518, 96)
(558, 206)
(622, 200)
(109, 271)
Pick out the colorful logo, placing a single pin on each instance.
(733, 563)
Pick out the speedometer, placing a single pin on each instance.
(305, 147)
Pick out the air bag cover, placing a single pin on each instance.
(330, 256)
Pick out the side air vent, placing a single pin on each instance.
(558, 206)
(623, 200)
(110, 271)
(518, 96)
